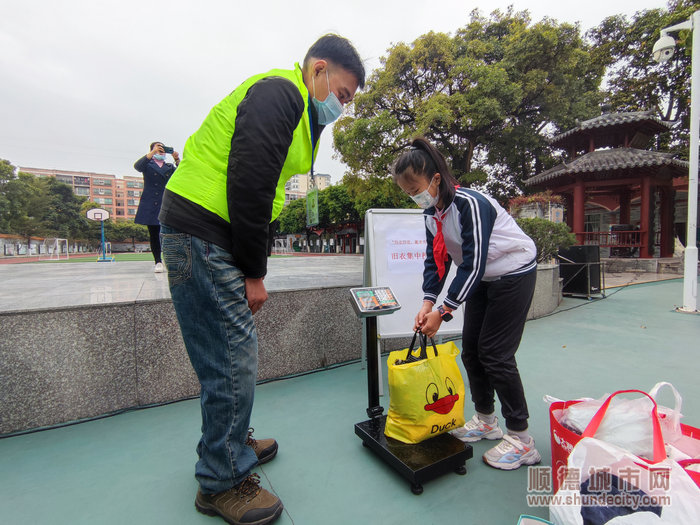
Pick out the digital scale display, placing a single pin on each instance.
(377, 300)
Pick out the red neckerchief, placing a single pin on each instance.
(439, 248)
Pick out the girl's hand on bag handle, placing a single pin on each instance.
(431, 324)
(420, 318)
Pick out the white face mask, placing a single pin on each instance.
(424, 199)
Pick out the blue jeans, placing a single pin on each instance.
(208, 293)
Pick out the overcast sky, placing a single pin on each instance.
(87, 85)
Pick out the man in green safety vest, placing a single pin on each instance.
(215, 225)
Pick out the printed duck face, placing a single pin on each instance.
(441, 405)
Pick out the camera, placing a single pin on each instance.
(168, 149)
(664, 48)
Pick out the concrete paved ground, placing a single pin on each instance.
(617, 279)
(49, 285)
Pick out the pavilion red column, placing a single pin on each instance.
(569, 205)
(625, 198)
(647, 249)
(666, 219)
(579, 209)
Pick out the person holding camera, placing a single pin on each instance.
(156, 173)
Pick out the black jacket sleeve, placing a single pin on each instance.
(140, 165)
(265, 124)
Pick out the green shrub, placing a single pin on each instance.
(548, 236)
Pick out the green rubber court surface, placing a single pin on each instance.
(137, 467)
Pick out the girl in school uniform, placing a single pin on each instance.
(495, 279)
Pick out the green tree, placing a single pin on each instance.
(293, 217)
(26, 205)
(375, 192)
(7, 174)
(32, 206)
(61, 213)
(483, 97)
(635, 81)
(7, 171)
(117, 231)
(336, 207)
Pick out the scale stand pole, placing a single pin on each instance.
(374, 409)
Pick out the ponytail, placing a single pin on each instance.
(424, 160)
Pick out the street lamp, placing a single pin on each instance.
(662, 52)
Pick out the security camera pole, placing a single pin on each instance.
(662, 52)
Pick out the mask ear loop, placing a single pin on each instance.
(328, 83)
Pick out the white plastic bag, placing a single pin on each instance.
(680, 497)
(627, 422)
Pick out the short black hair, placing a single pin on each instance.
(150, 148)
(341, 52)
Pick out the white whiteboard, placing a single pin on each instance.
(394, 255)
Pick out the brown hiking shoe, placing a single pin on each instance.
(265, 449)
(245, 504)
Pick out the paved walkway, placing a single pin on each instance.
(617, 279)
(51, 285)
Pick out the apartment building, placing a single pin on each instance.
(119, 196)
(299, 185)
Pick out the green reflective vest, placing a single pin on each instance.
(201, 176)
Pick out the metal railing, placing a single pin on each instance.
(619, 239)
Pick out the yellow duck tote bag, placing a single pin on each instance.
(426, 392)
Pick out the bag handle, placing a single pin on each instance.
(676, 414)
(423, 341)
(409, 352)
(424, 349)
(658, 440)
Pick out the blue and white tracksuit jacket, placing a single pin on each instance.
(482, 239)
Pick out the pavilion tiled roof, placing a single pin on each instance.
(612, 163)
(645, 122)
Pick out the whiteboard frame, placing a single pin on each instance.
(411, 301)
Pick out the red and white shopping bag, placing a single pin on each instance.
(563, 439)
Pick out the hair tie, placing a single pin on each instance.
(412, 148)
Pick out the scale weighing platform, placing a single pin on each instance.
(417, 463)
